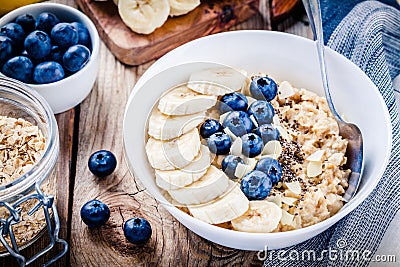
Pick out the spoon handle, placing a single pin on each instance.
(314, 14)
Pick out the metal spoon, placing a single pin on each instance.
(349, 131)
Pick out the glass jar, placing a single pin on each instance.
(27, 203)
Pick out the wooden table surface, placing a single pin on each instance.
(97, 124)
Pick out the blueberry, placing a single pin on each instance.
(271, 167)
(76, 57)
(263, 88)
(83, 34)
(209, 127)
(56, 53)
(38, 44)
(233, 101)
(27, 22)
(15, 32)
(262, 111)
(238, 122)
(19, 68)
(95, 213)
(6, 50)
(229, 164)
(219, 143)
(252, 145)
(48, 72)
(64, 35)
(137, 230)
(102, 163)
(46, 21)
(256, 185)
(267, 132)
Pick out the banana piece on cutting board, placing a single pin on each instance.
(165, 127)
(210, 186)
(175, 179)
(261, 217)
(173, 154)
(181, 7)
(183, 101)
(143, 16)
(217, 81)
(227, 207)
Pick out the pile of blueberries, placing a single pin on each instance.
(43, 50)
(95, 213)
(257, 184)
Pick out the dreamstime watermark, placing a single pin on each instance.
(338, 254)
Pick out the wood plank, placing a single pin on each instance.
(134, 49)
(100, 127)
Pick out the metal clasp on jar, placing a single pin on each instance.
(50, 211)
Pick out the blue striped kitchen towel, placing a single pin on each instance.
(367, 33)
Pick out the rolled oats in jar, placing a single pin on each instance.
(29, 148)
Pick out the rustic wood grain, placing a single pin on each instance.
(134, 49)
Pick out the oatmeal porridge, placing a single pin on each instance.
(247, 153)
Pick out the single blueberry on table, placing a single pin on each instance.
(83, 34)
(256, 185)
(229, 164)
(46, 21)
(263, 88)
(209, 127)
(6, 49)
(137, 230)
(95, 213)
(267, 132)
(76, 57)
(262, 111)
(233, 101)
(271, 167)
(27, 22)
(64, 35)
(219, 143)
(102, 163)
(20, 68)
(48, 72)
(238, 122)
(252, 145)
(15, 32)
(38, 44)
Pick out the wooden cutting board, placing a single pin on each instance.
(134, 49)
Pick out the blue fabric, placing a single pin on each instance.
(368, 34)
(333, 12)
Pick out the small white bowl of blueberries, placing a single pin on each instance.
(54, 49)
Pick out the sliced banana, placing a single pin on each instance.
(174, 154)
(166, 127)
(210, 186)
(143, 16)
(217, 81)
(225, 208)
(261, 217)
(170, 180)
(181, 7)
(183, 101)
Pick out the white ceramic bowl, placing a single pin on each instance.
(70, 91)
(285, 57)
